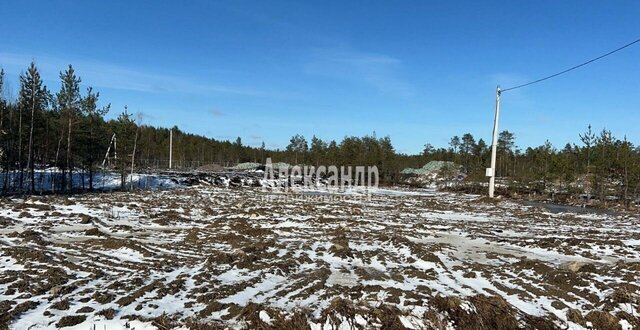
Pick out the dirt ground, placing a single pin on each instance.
(212, 258)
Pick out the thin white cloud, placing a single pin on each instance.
(377, 70)
(216, 112)
(108, 75)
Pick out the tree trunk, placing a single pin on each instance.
(626, 182)
(3, 146)
(63, 183)
(69, 154)
(30, 157)
(90, 178)
(20, 150)
(5, 184)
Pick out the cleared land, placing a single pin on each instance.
(206, 257)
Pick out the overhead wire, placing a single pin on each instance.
(572, 68)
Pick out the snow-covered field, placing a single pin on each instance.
(207, 258)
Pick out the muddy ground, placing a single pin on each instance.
(209, 258)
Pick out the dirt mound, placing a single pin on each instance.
(103, 297)
(565, 279)
(33, 236)
(340, 245)
(85, 309)
(94, 232)
(488, 200)
(108, 313)
(575, 316)
(494, 312)
(116, 244)
(61, 305)
(70, 320)
(192, 236)
(245, 228)
(536, 265)
(540, 322)
(388, 317)
(210, 168)
(5, 222)
(622, 296)
(341, 308)
(86, 219)
(603, 320)
(251, 314)
(193, 324)
(485, 312)
(20, 309)
(127, 300)
(633, 320)
(248, 257)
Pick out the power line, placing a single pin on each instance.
(572, 68)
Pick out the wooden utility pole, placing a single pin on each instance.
(170, 147)
(491, 172)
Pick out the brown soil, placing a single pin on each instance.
(603, 320)
(70, 320)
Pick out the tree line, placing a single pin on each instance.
(65, 132)
(58, 141)
(599, 165)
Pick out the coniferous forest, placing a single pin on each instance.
(67, 133)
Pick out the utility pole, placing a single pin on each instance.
(491, 172)
(170, 147)
(106, 156)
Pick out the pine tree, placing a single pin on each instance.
(3, 133)
(124, 128)
(318, 149)
(506, 143)
(625, 154)
(95, 140)
(455, 143)
(2, 106)
(298, 146)
(69, 101)
(33, 97)
(589, 140)
(466, 150)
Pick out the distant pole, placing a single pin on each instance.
(492, 171)
(106, 156)
(170, 147)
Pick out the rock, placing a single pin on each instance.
(55, 291)
(573, 266)
(85, 219)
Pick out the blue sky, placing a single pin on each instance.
(418, 71)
